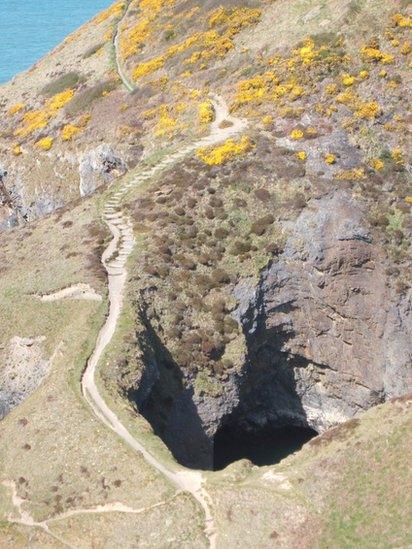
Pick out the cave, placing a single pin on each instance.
(267, 424)
(266, 446)
(259, 417)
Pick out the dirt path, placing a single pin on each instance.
(77, 291)
(26, 519)
(114, 260)
(122, 73)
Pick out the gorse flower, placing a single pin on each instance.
(369, 109)
(14, 109)
(297, 134)
(348, 80)
(68, 132)
(45, 144)
(228, 151)
(206, 112)
(377, 164)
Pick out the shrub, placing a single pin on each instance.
(274, 248)
(187, 263)
(179, 211)
(262, 194)
(240, 247)
(223, 153)
(230, 324)
(62, 83)
(215, 202)
(163, 270)
(221, 233)
(267, 219)
(93, 50)
(45, 144)
(258, 228)
(84, 99)
(204, 259)
(220, 276)
(209, 213)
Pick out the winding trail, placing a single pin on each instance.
(114, 260)
(119, 66)
(26, 519)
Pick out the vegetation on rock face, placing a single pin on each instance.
(201, 229)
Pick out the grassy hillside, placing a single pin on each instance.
(324, 88)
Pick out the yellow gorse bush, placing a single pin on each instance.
(38, 119)
(133, 39)
(348, 80)
(308, 52)
(368, 109)
(402, 20)
(297, 134)
(213, 43)
(398, 157)
(229, 150)
(45, 144)
(377, 164)
(148, 67)
(14, 109)
(357, 174)
(406, 48)
(33, 121)
(16, 150)
(371, 53)
(267, 120)
(330, 159)
(58, 101)
(114, 11)
(68, 132)
(206, 112)
(166, 124)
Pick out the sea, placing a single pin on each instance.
(31, 28)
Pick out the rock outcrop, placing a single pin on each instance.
(97, 167)
(326, 335)
(24, 370)
(8, 217)
(324, 313)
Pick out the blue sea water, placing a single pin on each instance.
(31, 28)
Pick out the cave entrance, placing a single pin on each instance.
(266, 446)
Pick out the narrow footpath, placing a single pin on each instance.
(114, 260)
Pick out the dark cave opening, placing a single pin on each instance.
(266, 446)
(266, 422)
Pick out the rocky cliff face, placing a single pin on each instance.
(32, 191)
(327, 336)
(325, 313)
